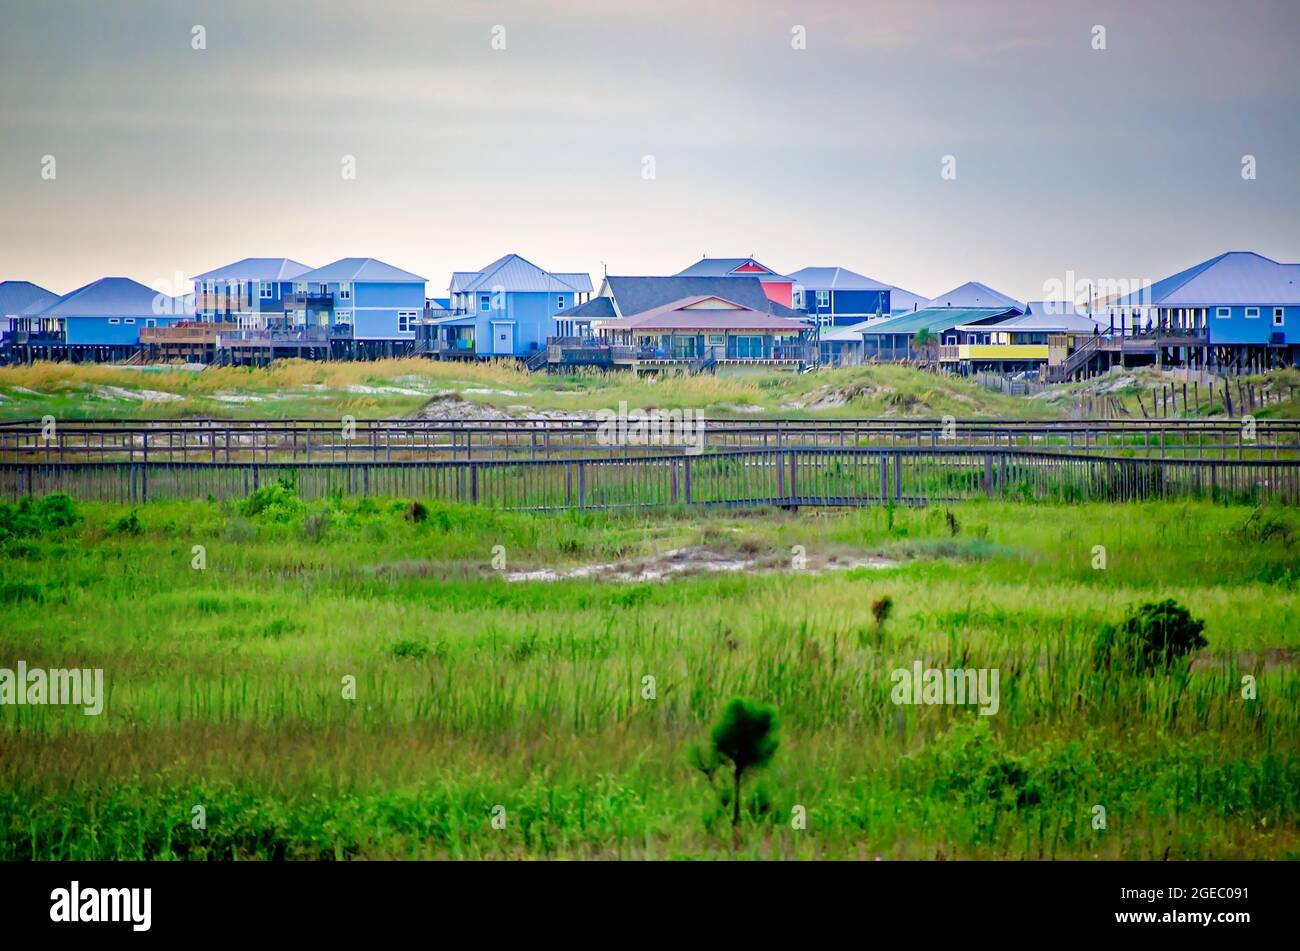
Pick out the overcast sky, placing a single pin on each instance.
(1122, 163)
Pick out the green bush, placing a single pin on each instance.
(128, 524)
(30, 517)
(278, 502)
(1156, 634)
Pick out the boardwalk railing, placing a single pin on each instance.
(375, 441)
(753, 477)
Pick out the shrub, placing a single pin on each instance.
(746, 738)
(413, 649)
(128, 524)
(1154, 634)
(30, 517)
(1266, 524)
(277, 502)
(416, 512)
(57, 511)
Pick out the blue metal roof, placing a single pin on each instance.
(1234, 277)
(726, 267)
(114, 297)
(904, 300)
(578, 281)
(1050, 316)
(358, 269)
(256, 269)
(834, 279)
(16, 297)
(512, 273)
(975, 294)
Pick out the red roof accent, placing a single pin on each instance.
(751, 267)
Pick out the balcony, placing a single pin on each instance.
(315, 300)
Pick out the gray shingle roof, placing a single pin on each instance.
(636, 295)
(598, 308)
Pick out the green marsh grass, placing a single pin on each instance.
(225, 684)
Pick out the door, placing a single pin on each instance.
(503, 339)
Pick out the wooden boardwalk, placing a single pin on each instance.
(787, 477)
(390, 441)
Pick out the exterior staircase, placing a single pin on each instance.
(1075, 361)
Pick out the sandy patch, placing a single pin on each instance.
(396, 390)
(136, 396)
(685, 562)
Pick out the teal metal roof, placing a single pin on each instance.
(937, 319)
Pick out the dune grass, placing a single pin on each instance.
(226, 684)
(388, 388)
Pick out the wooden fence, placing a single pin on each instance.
(751, 477)
(390, 441)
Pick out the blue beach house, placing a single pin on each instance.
(838, 297)
(507, 309)
(360, 298)
(250, 293)
(1241, 308)
(103, 319)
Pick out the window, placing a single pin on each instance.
(264, 290)
(749, 348)
(150, 322)
(1223, 312)
(404, 318)
(1279, 316)
(114, 320)
(1252, 311)
(345, 292)
(485, 302)
(129, 320)
(798, 299)
(559, 302)
(299, 287)
(343, 316)
(823, 298)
